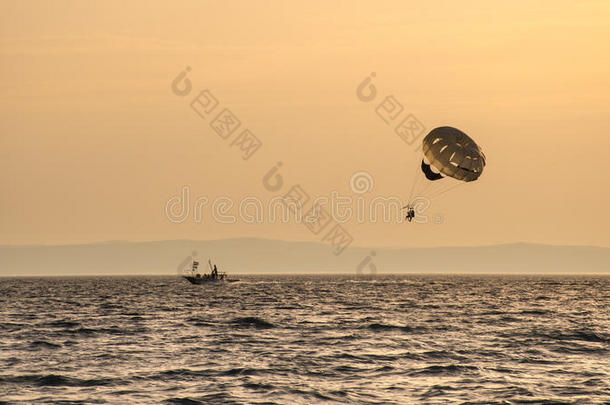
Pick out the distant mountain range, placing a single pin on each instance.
(251, 255)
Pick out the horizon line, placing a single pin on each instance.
(116, 241)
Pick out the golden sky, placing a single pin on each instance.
(94, 142)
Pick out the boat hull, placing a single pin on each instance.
(202, 280)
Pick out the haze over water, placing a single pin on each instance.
(306, 339)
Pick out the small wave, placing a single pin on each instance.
(258, 386)
(534, 312)
(451, 369)
(442, 354)
(514, 391)
(183, 401)
(12, 326)
(240, 371)
(380, 357)
(310, 394)
(380, 327)
(111, 330)
(82, 331)
(44, 344)
(289, 307)
(494, 312)
(345, 356)
(437, 391)
(117, 330)
(11, 361)
(346, 369)
(252, 322)
(180, 373)
(56, 380)
(536, 360)
(582, 335)
(594, 382)
(577, 349)
(183, 373)
(199, 321)
(109, 305)
(62, 324)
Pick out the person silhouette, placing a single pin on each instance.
(410, 214)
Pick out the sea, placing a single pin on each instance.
(430, 339)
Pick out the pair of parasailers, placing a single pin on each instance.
(410, 213)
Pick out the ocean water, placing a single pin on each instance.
(306, 339)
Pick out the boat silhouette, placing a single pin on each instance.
(214, 277)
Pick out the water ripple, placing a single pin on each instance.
(303, 340)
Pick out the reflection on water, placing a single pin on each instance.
(306, 339)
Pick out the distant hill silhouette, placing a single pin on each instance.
(251, 255)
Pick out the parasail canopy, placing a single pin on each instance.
(452, 153)
(450, 159)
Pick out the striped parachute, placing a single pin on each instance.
(451, 158)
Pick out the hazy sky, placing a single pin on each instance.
(94, 142)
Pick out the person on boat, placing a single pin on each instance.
(215, 273)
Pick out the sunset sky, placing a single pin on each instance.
(93, 142)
